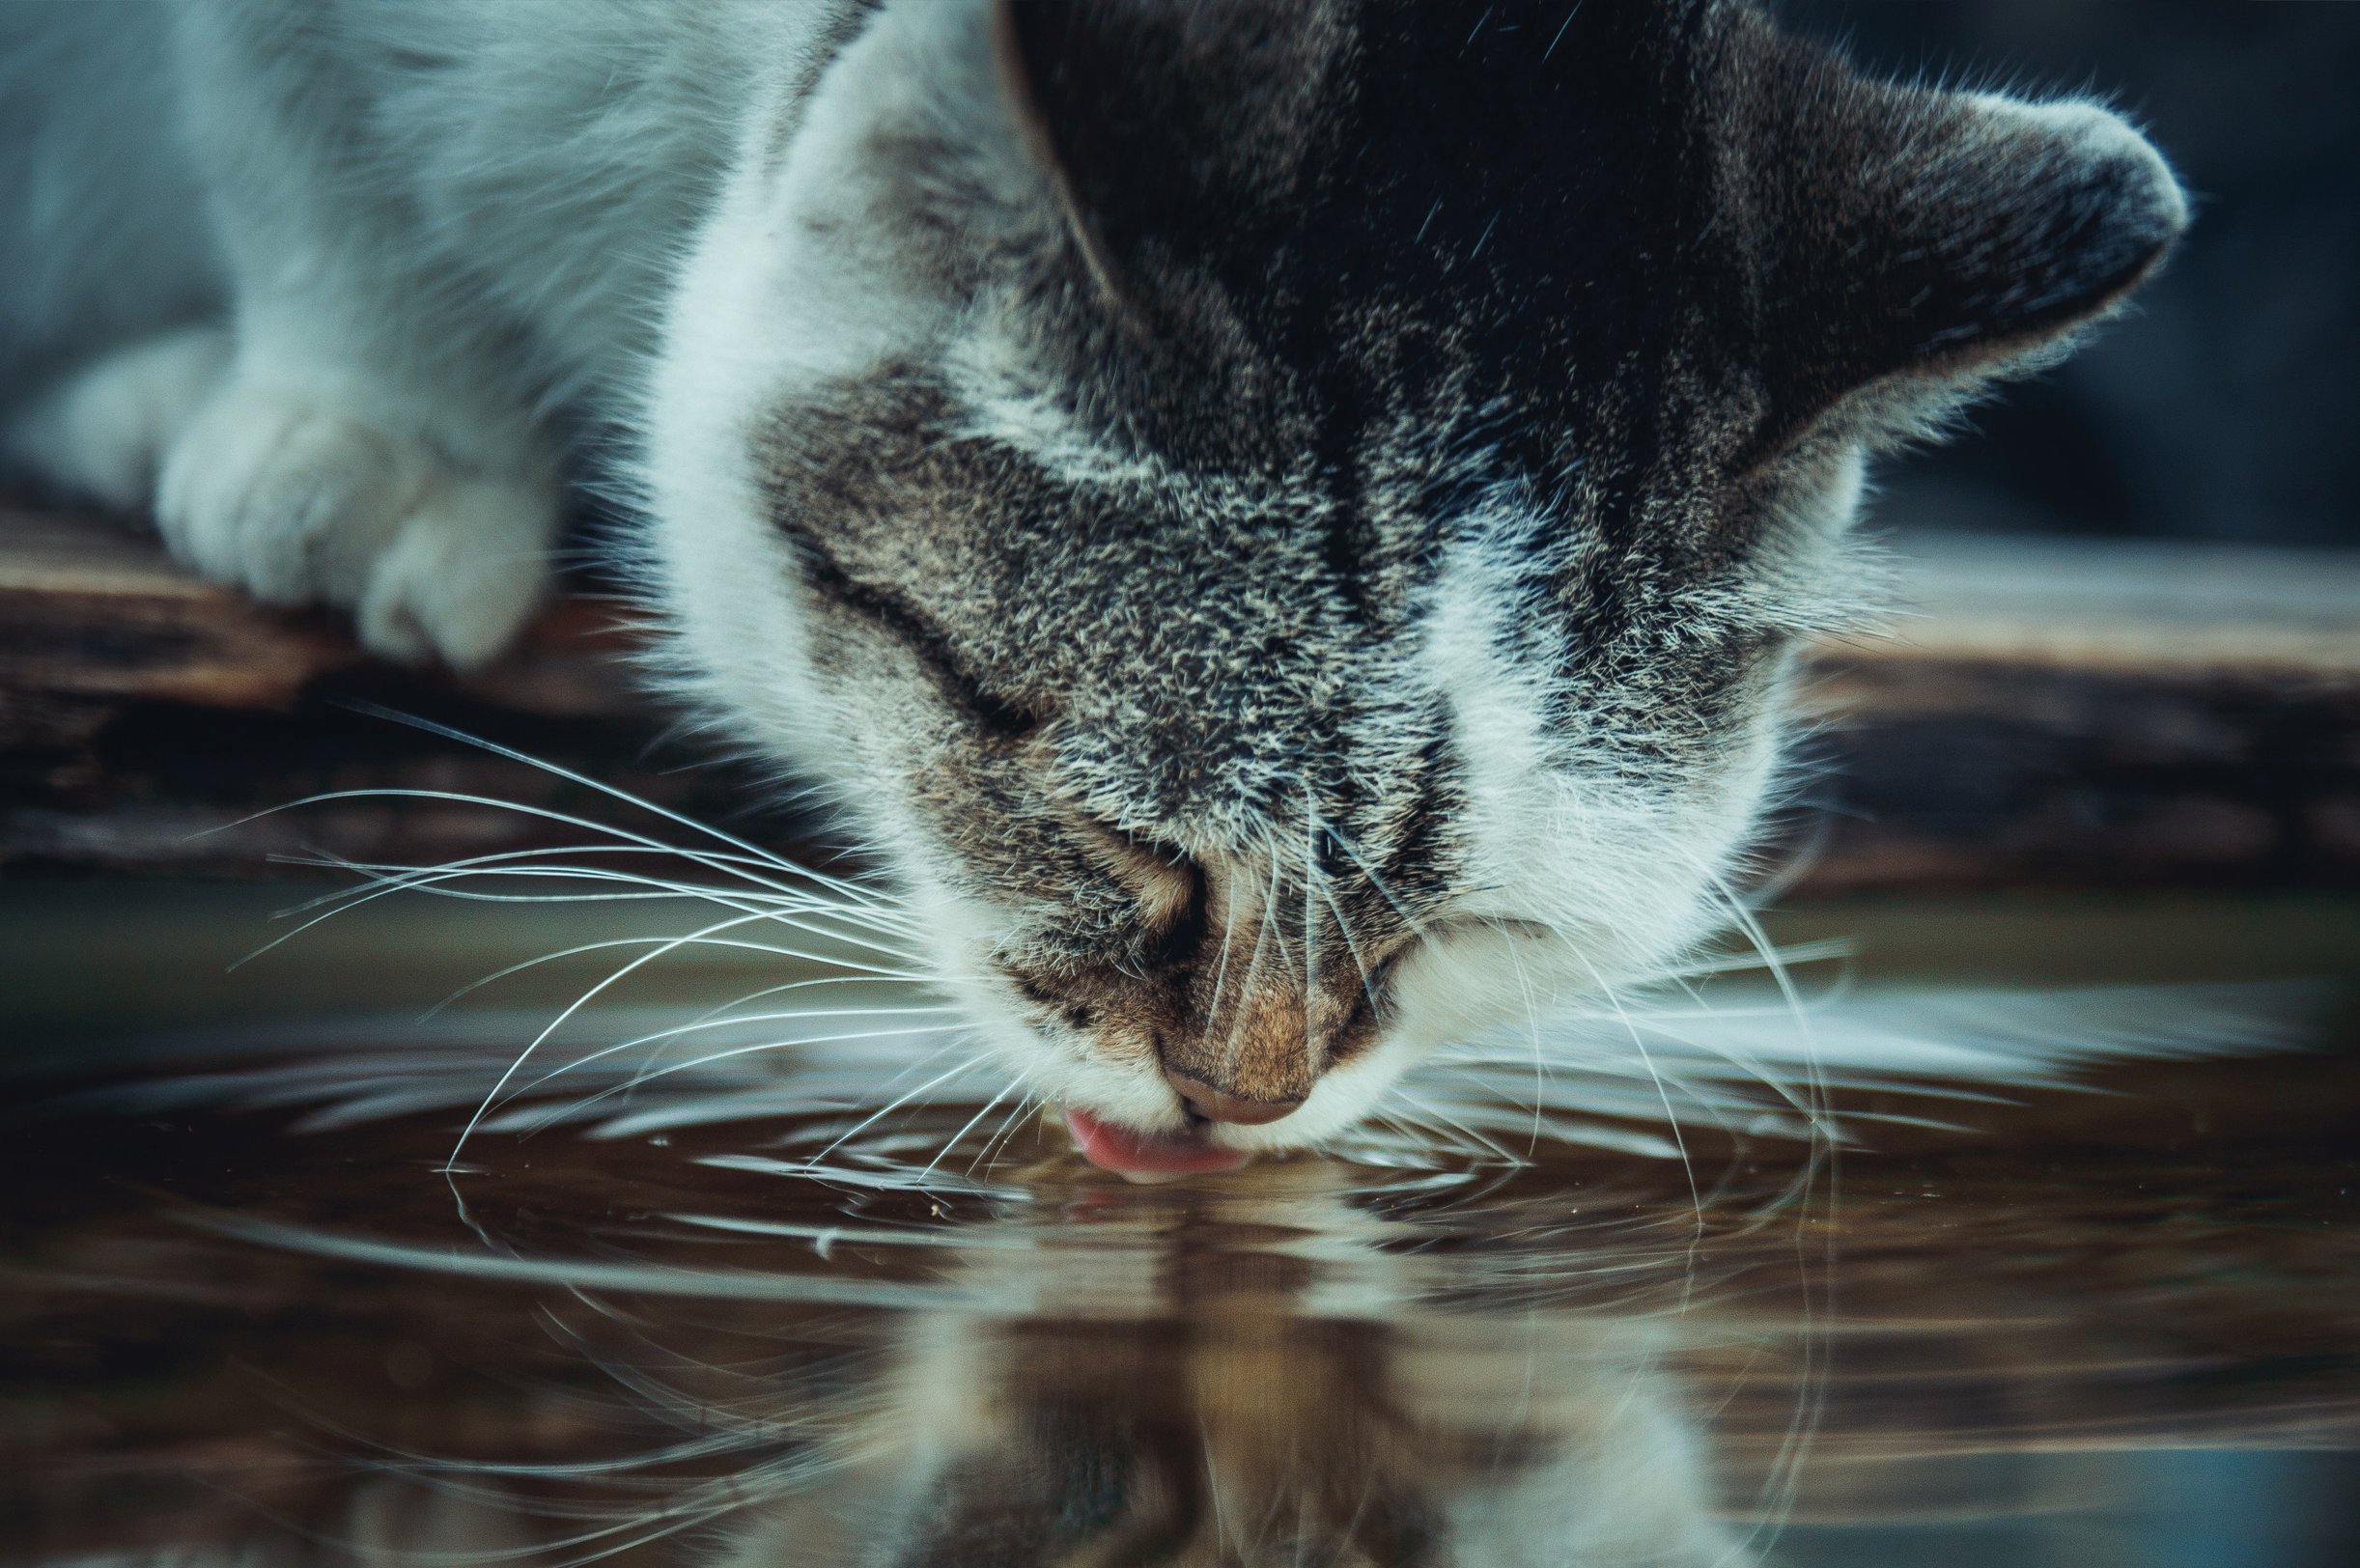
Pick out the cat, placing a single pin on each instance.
(1284, 524)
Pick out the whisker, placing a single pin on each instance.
(732, 1021)
(753, 850)
(1376, 881)
(451, 1165)
(1262, 929)
(787, 908)
(672, 945)
(891, 1107)
(383, 885)
(1008, 1124)
(1351, 945)
(731, 865)
(952, 1141)
(1311, 889)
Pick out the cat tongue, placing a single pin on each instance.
(1147, 1156)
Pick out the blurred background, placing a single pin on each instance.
(2226, 406)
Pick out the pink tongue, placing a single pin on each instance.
(1129, 1152)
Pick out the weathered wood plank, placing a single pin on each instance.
(91, 614)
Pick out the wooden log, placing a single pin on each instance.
(146, 717)
(92, 616)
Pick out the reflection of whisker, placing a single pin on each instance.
(623, 1278)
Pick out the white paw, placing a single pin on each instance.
(459, 576)
(300, 504)
(104, 433)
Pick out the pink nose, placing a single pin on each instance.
(1215, 1106)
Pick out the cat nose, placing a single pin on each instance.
(1216, 1105)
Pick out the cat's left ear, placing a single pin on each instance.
(1908, 237)
(1020, 86)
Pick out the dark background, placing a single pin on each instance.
(2226, 404)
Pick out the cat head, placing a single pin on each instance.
(1287, 523)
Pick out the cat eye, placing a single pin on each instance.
(893, 614)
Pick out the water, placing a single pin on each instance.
(2054, 1299)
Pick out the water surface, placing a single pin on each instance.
(256, 1306)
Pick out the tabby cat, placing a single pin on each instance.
(1284, 521)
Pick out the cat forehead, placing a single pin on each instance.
(1309, 151)
(1376, 236)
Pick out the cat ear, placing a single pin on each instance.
(1161, 120)
(1023, 64)
(1917, 236)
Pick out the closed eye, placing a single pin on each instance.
(914, 629)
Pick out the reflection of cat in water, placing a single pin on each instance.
(1242, 1439)
(1206, 1422)
(1264, 1403)
(1285, 522)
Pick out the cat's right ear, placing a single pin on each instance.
(1915, 239)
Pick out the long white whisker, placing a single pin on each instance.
(952, 1141)
(381, 885)
(1253, 966)
(1009, 1124)
(788, 908)
(451, 1165)
(869, 909)
(1310, 889)
(672, 945)
(1351, 945)
(1378, 882)
(755, 850)
(731, 865)
(890, 1107)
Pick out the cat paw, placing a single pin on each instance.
(300, 504)
(103, 434)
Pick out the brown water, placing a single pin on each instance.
(254, 1307)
